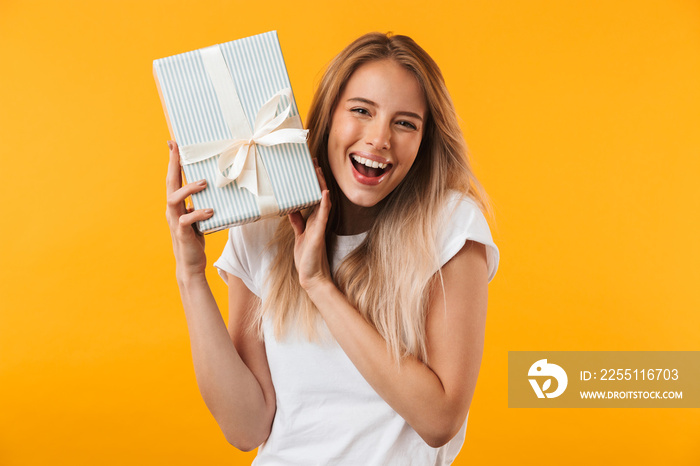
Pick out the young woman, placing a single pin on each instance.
(355, 333)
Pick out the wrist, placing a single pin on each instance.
(318, 288)
(187, 276)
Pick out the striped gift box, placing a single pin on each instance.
(196, 110)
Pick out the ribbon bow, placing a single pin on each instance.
(269, 130)
(234, 154)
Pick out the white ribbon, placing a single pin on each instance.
(235, 154)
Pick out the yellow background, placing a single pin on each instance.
(583, 119)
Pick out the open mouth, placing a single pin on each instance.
(369, 168)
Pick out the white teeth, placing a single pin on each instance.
(369, 163)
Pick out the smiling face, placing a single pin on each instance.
(376, 130)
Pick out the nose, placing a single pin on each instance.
(378, 135)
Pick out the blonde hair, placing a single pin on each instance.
(388, 286)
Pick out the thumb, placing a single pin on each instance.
(324, 208)
(298, 223)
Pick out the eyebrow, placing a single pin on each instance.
(374, 104)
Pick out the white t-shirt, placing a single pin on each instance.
(327, 413)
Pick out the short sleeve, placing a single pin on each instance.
(463, 221)
(245, 253)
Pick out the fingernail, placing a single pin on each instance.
(208, 211)
(202, 182)
(170, 145)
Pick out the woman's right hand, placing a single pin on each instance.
(188, 243)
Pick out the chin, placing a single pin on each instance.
(367, 203)
(365, 200)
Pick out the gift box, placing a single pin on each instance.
(231, 110)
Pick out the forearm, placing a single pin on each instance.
(412, 388)
(228, 387)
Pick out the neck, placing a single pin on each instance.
(355, 219)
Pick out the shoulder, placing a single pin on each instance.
(461, 220)
(254, 235)
(246, 253)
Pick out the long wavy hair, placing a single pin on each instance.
(388, 286)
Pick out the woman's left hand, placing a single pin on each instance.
(310, 241)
